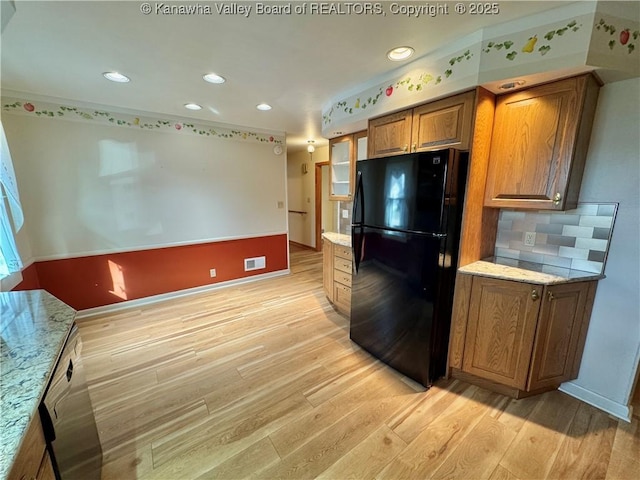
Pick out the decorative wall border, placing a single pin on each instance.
(558, 40)
(139, 122)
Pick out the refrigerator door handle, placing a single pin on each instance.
(356, 240)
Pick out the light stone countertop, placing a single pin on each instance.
(338, 238)
(34, 327)
(527, 272)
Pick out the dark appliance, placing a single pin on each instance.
(67, 418)
(407, 213)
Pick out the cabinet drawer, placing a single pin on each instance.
(342, 277)
(342, 252)
(342, 297)
(342, 264)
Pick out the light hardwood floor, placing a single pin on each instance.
(261, 381)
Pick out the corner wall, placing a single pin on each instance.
(612, 174)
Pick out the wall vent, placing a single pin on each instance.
(255, 263)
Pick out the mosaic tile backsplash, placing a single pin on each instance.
(574, 239)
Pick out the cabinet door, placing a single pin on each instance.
(445, 123)
(360, 141)
(501, 329)
(390, 135)
(327, 268)
(533, 145)
(341, 159)
(561, 315)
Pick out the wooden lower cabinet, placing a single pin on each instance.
(32, 461)
(336, 273)
(524, 337)
(327, 268)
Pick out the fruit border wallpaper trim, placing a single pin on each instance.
(139, 122)
(494, 58)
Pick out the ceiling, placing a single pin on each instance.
(296, 63)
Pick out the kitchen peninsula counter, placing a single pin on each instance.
(34, 328)
(338, 238)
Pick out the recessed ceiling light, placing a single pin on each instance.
(192, 106)
(400, 53)
(264, 107)
(213, 78)
(116, 77)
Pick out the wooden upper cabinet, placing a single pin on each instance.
(390, 135)
(441, 124)
(343, 152)
(523, 336)
(539, 145)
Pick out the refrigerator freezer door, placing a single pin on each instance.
(405, 192)
(394, 299)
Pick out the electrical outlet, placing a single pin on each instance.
(345, 213)
(280, 204)
(529, 239)
(212, 272)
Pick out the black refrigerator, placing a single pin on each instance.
(407, 213)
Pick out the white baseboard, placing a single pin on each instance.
(115, 307)
(623, 412)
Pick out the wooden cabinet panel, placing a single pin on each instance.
(342, 252)
(558, 333)
(442, 124)
(327, 268)
(337, 275)
(45, 472)
(433, 126)
(539, 143)
(501, 329)
(342, 264)
(390, 135)
(461, 298)
(342, 297)
(518, 338)
(342, 277)
(32, 449)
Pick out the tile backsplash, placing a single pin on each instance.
(574, 239)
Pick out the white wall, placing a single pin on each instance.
(96, 188)
(613, 175)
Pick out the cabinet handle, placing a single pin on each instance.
(414, 147)
(534, 294)
(405, 148)
(556, 199)
(550, 295)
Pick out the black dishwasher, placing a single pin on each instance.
(67, 418)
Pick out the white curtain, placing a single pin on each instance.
(11, 217)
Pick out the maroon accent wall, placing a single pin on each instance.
(98, 280)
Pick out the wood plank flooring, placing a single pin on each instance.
(261, 381)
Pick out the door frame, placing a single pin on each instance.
(318, 185)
